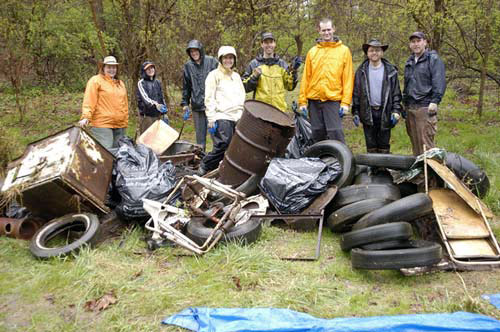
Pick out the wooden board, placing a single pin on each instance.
(478, 248)
(457, 219)
(459, 187)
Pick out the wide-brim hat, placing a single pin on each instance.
(110, 60)
(375, 43)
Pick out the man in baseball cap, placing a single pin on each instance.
(425, 84)
(268, 76)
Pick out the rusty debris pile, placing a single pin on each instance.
(391, 211)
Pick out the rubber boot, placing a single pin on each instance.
(372, 150)
(387, 151)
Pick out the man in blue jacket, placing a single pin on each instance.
(425, 84)
(193, 87)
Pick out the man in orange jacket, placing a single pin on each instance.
(327, 84)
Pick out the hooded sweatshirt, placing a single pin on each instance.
(149, 92)
(328, 74)
(194, 76)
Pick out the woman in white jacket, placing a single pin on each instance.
(224, 98)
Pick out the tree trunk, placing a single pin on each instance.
(482, 85)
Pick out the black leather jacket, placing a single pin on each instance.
(425, 81)
(148, 91)
(391, 94)
(193, 86)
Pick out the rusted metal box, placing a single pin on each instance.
(62, 173)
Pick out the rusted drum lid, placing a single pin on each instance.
(268, 113)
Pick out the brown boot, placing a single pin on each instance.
(387, 151)
(373, 150)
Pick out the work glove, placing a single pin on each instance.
(165, 119)
(355, 119)
(212, 127)
(296, 62)
(303, 112)
(187, 113)
(161, 108)
(83, 123)
(343, 110)
(395, 118)
(256, 72)
(433, 107)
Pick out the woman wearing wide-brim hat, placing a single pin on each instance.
(105, 104)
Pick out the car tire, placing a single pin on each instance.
(90, 223)
(404, 209)
(421, 253)
(379, 233)
(331, 148)
(355, 193)
(393, 161)
(365, 178)
(247, 232)
(341, 221)
(384, 245)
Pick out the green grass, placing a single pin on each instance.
(51, 295)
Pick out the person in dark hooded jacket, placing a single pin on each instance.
(376, 99)
(193, 88)
(150, 99)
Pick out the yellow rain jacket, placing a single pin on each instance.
(105, 102)
(270, 86)
(328, 74)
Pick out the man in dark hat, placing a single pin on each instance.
(268, 76)
(376, 99)
(425, 84)
(193, 87)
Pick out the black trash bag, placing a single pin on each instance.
(139, 174)
(292, 184)
(301, 140)
(469, 173)
(16, 211)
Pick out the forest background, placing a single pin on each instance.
(56, 44)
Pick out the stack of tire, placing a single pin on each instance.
(374, 216)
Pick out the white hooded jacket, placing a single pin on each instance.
(224, 95)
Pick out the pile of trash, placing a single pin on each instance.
(71, 185)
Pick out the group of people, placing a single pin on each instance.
(214, 93)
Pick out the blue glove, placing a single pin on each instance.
(341, 112)
(186, 115)
(303, 112)
(394, 119)
(212, 129)
(163, 109)
(355, 119)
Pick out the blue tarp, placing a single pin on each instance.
(281, 320)
(493, 298)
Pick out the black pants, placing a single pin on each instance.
(221, 140)
(377, 139)
(325, 120)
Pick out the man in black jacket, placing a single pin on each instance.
(150, 99)
(193, 88)
(376, 98)
(425, 84)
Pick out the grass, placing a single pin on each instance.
(51, 295)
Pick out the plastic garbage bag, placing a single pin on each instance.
(302, 138)
(16, 211)
(292, 184)
(138, 174)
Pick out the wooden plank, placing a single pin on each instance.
(457, 219)
(472, 249)
(459, 187)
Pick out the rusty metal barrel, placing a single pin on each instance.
(262, 133)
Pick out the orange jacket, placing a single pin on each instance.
(328, 74)
(105, 102)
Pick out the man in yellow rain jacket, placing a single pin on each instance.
(327, 84)
(268, 75)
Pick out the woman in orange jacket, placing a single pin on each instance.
(105, 105)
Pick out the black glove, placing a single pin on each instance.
(296, 62)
